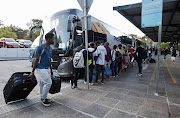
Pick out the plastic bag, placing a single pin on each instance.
(107, 71)
(94, 76)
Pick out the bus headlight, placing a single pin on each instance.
(66, 59)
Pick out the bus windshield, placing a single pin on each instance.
(58, 26)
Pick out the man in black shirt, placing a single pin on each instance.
(140, 55)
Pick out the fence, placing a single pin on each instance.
(14, 53)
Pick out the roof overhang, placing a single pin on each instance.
(171, 20)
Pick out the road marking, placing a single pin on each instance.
(174, 63)
(172, 77)
(154, 73)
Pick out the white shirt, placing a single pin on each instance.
(101, 51)
(113, 53)
(149, 51)
(94, 53)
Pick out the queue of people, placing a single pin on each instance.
(104, 62)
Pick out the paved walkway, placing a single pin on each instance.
(126, 96)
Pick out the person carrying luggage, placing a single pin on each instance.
(42, 62)
(79, 63)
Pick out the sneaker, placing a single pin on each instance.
(45, 103)
(102, 82)
(112, 76)
(75, 87)
(49, 100)
(72, 85)
(85, 82)
(140, 74)
(91, 84)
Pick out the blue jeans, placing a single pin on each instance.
(45, 82)
(114, 68)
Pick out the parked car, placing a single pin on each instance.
(24, 43)
(17, 40)
(9, 43)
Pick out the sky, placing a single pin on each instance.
(20, 12)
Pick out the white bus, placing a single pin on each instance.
(67, 28)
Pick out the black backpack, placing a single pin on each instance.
(142, 54)
(118, 56)
(152, 60)
(90, 55)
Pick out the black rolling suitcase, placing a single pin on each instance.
(56, 85)
(19, 86)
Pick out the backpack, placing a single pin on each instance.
(90, 56)
(143, 54)
(118, 56)
(152, 60)
(78, 60)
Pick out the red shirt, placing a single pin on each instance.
(131, 51)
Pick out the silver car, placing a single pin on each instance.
(24, 43)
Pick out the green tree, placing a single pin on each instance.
(19, 31)
(34, 22)
(7, 33)
(165, 45)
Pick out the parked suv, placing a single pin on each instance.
(24, 43)
(9, 43)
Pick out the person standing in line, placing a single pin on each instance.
(139, 52)
(107, 57)
(100, 57)
(120, 49)
(114, 62)
(149, 54)
(171, 50)
(44, 67)
(173, 53)
(92, 53)
(165, 53)
(79, 70)
(131, 51)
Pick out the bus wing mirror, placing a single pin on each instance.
(31, 30)
(69, 26)
(30, 34)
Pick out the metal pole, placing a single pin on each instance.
(86, 40)
(158, 60)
